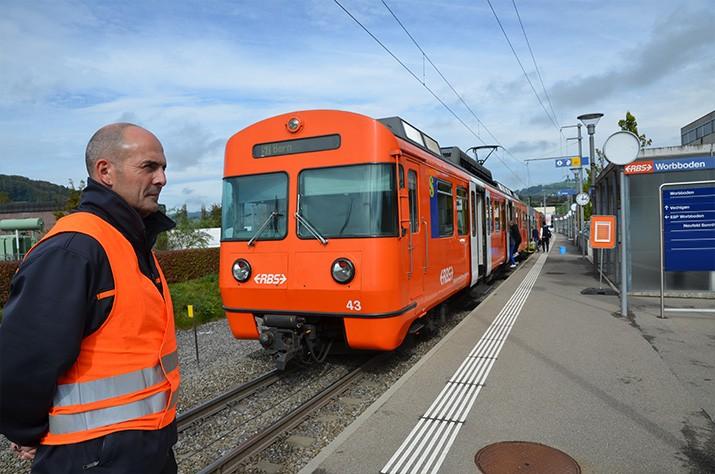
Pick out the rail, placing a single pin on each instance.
(214, 405)
(261, 440)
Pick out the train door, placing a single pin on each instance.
(507, 225)
(477, 236)
(417, 231)
(488, 228)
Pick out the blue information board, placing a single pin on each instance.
(689, 229)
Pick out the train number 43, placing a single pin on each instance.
(354, 305)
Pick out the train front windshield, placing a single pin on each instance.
(254, 206)
(349, 201)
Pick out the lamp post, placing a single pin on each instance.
(590, 121)
(579, 176)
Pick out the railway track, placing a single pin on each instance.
(264, 438)
(236, 394)
(234, 455)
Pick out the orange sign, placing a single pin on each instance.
(603, 232)
(639, 167)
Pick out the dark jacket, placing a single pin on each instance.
(545, 233)
(515, 234)
(53, 306)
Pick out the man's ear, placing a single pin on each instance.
(104, 171)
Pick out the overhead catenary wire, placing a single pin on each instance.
(416, 77)
(533, 58)
(461, 99)
(522, 67)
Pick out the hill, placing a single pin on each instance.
(15, 189)
(554, 193)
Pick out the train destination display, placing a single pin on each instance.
(689, 229)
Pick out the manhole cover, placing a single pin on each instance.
(510, 457)
(598, 291)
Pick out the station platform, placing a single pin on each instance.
(538, 361)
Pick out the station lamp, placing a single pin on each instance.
(590, 121)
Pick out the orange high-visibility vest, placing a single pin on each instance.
(126, 376)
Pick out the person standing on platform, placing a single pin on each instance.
(515, 239)
(535, 238)
(545, 238)
(88, 363)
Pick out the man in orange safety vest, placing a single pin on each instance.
(88, 360)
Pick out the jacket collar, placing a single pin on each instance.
(110, 206)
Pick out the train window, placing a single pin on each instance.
(413, 134)
(402, 177)
(349, 201)
(462, 212)
(474, 213)
(502, 215)
(249, 203)
(488, 213)
(300, 145)
(497, 217)
(412, 192)
(445, 209)
(432, 145)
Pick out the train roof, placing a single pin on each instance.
(404, 130)
(452, 155)
(456, 156)
(506, 190)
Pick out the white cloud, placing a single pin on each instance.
(198, 72)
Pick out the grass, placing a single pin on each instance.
(203, 294)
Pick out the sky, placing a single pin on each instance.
(196, 72)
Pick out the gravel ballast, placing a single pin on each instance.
(225, 362)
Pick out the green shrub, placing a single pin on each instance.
(183, 265)
(178, 265)
(7, 270)
(203, 294)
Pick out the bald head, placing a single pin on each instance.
(130, 161)
(107, 143)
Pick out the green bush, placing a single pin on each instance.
(7, 270)
(183, 265)
(178, 265)
(203, 294)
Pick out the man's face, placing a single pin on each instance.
(138, 174)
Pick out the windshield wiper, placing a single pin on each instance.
(273, 215)
(308, 226)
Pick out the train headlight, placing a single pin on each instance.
(294, 124)
(342, 270)
(241, 270)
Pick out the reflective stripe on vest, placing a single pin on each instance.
(61, 424)
(110, 387)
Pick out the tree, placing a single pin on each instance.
(73, 198)
(215, 215)
(211, 217)
(4, 197)
(631, 125)
(186, 234)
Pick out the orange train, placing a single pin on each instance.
(338, 227)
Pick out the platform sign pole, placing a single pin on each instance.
(662, 273)
(624, 244)
(622, 148)
(602, 236)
